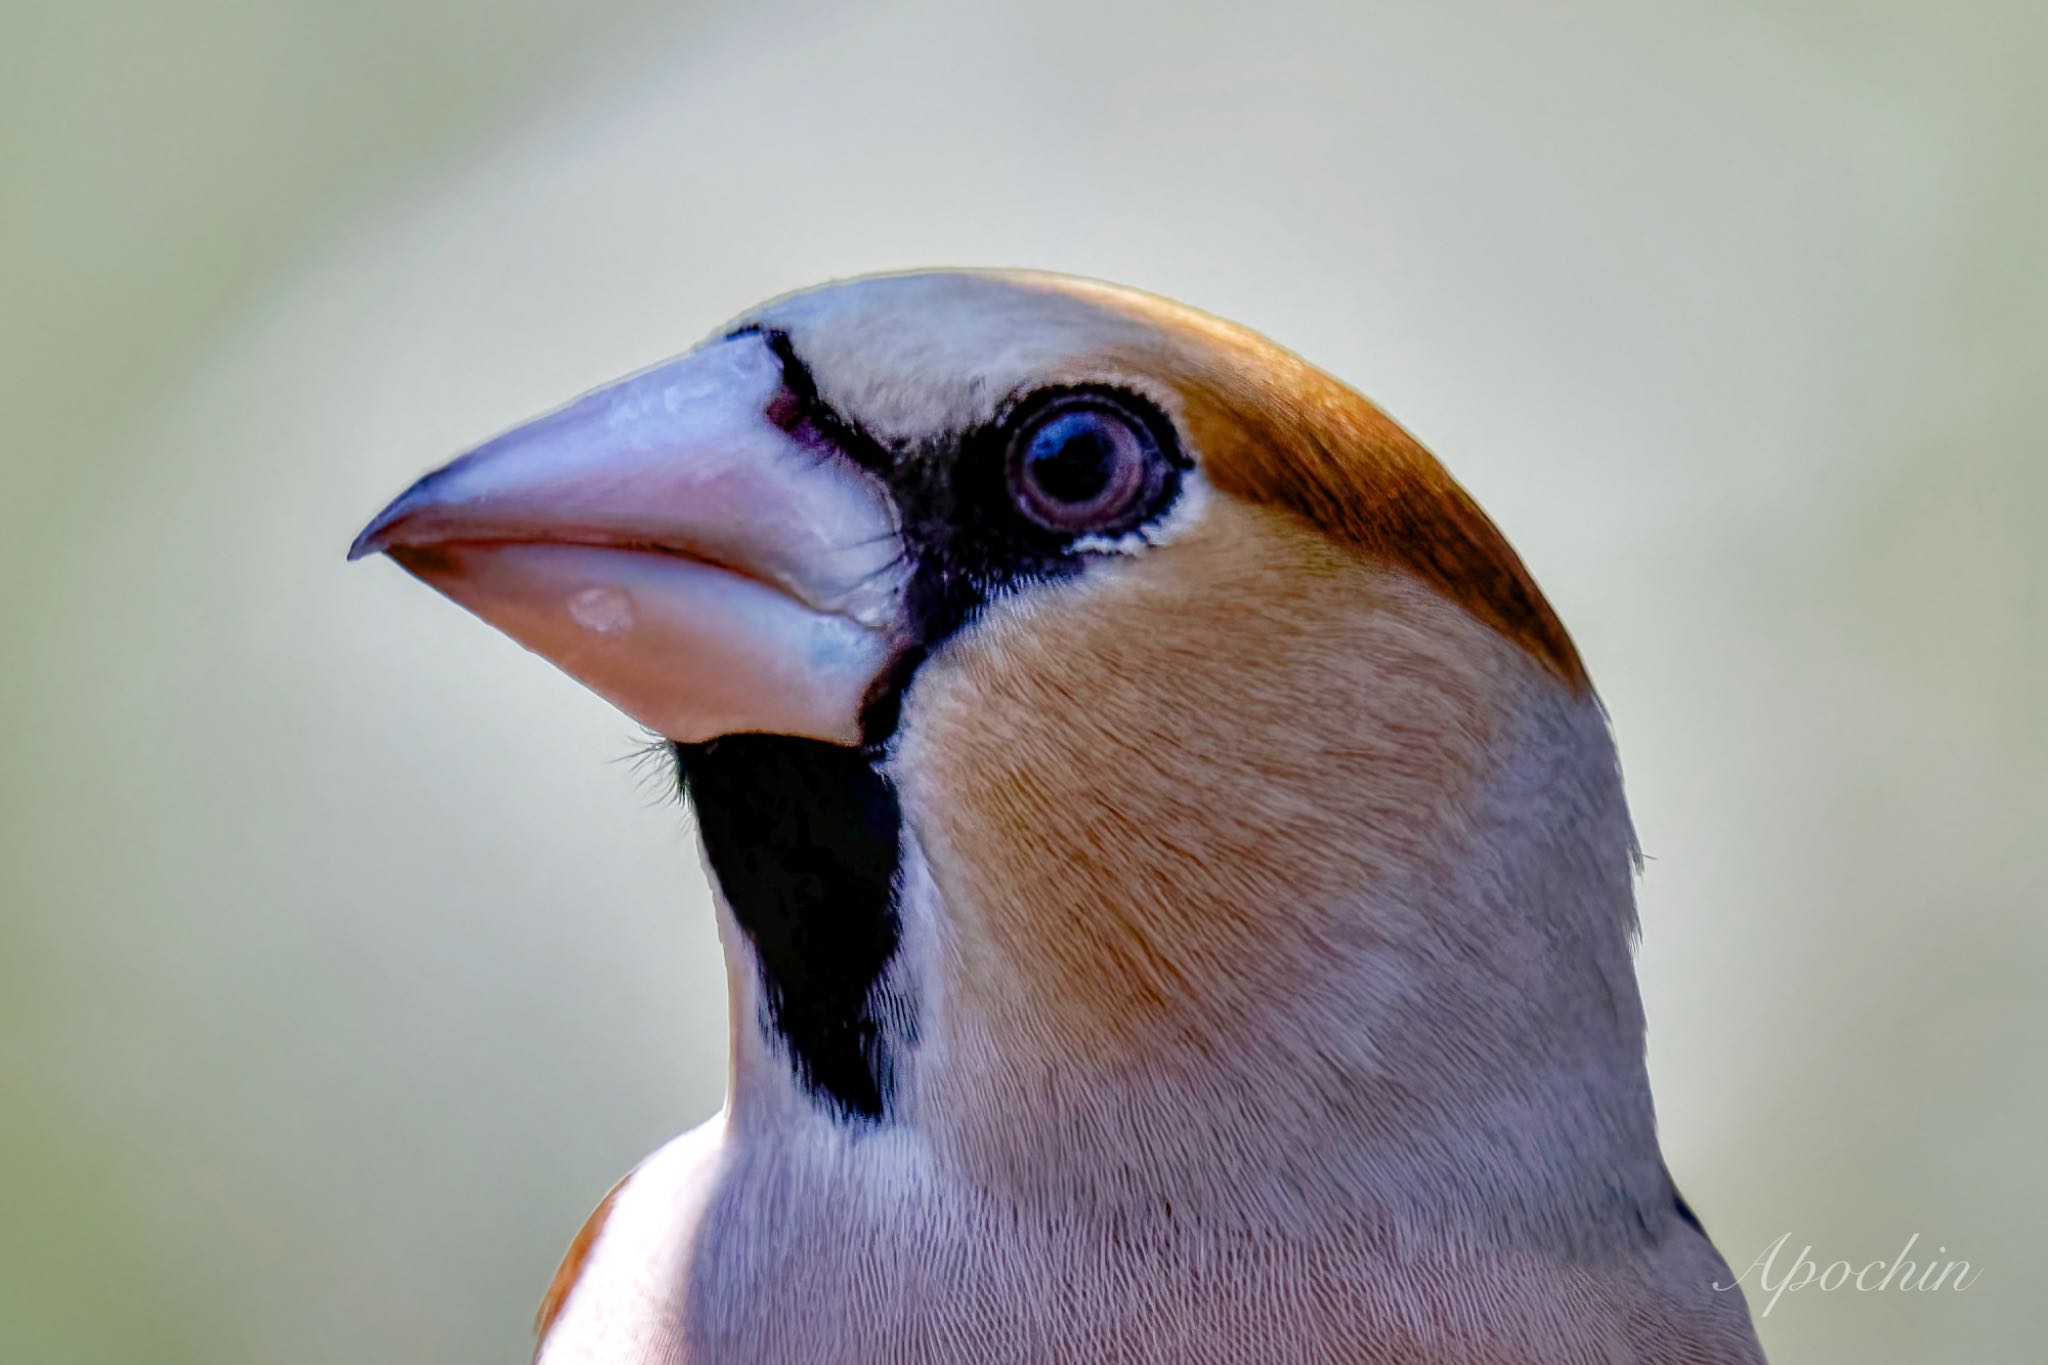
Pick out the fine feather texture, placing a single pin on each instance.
(570, 1271)
(908, 356)
(1323, 883)
(1263, 903)
(1396, 1113)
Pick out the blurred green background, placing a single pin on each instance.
(340, 969)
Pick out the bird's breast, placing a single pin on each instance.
(813, 1246)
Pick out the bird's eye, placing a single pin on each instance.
(1083, 465)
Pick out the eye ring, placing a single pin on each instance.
(1084, 464)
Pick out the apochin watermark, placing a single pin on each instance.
(1897, 1275)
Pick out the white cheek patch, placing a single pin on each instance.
(1185, 513)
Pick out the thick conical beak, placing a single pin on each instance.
(668, 543)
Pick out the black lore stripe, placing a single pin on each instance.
(804, 839)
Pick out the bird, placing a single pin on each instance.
(1172, 867)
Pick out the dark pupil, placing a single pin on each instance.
(1073, 458)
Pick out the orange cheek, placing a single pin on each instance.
(1154, 798)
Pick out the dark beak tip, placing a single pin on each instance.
(368, 542)
(376, 537)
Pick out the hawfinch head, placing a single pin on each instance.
(1080, 695)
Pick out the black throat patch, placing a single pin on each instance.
(804, 839)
